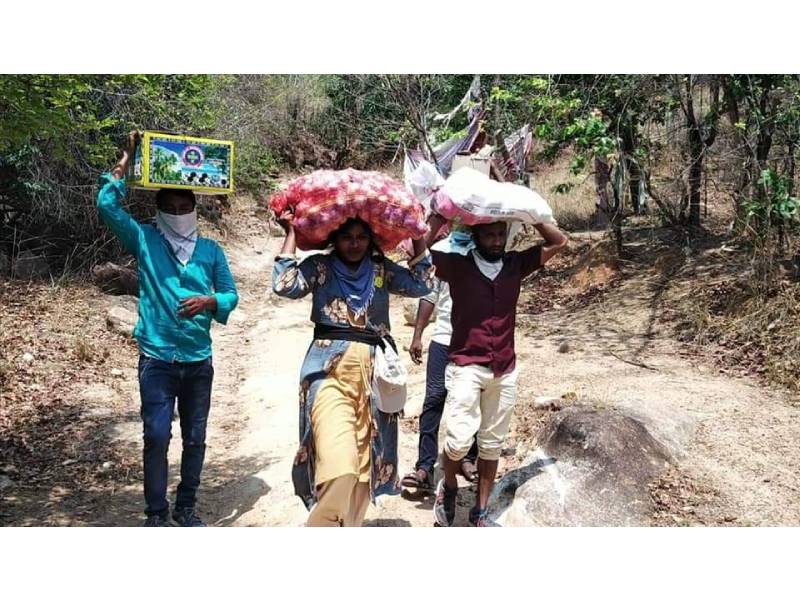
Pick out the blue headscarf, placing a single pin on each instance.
(357, 286)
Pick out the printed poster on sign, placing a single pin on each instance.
(203, 165)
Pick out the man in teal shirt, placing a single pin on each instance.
(184, 283)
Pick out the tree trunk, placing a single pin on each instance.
(634, 173)
(731, 104)
(696, 149)
(698, 143)
(617, 227)
(602, 178)
(495, 110)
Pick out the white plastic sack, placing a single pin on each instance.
(389, 380)
(423, 181)
(484, 199)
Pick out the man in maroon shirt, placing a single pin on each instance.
(482, 375)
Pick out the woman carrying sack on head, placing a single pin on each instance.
(348, 446)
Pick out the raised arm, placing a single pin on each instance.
(286, 221)
(435, 223)
(112, 191)
(554, 240)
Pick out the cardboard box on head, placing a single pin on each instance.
(165, 160)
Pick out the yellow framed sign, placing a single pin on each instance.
(164, 160)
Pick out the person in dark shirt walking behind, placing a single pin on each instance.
(482, 374)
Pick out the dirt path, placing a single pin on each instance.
(736, 442)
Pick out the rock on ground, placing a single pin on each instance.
(592, 467)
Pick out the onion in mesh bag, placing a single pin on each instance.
(323, 200)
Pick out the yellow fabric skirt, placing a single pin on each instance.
(341, 419)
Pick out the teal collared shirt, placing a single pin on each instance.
(164, 282)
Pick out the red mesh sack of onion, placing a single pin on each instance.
(323, 200)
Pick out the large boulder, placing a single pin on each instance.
(123, 314)
(591, 467)
(30, 265)
(117, 280)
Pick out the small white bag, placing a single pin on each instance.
(389, 380)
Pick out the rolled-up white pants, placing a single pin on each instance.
(478, 402)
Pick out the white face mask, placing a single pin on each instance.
(181, 225)
(180, 232)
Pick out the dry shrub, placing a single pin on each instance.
(574, 209)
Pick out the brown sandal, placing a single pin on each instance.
(419, 479)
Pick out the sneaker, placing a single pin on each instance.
(480, 518)
(186, 517)
(444, 507)
(157, 521)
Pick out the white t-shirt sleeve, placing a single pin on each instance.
(433, 297)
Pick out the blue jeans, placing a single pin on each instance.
(160, 384)
(432, 408)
